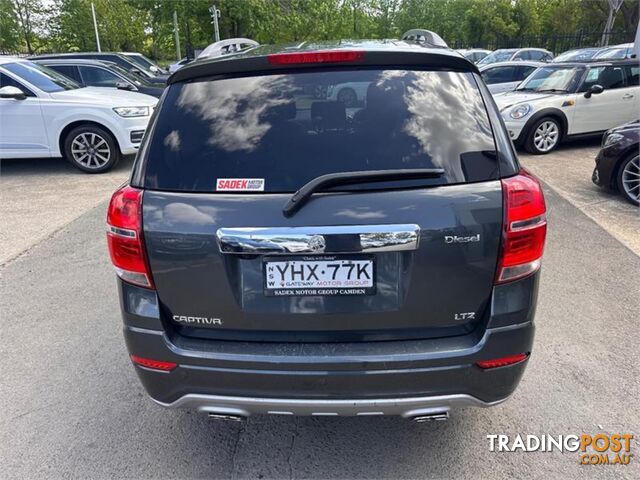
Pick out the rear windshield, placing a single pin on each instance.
(285, 130)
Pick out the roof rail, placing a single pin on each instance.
(420, 35)
(224, 47)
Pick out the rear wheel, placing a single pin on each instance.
(544, 136)
(629, 179)
(91, 149)
(348, 97)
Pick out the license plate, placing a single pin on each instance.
(324, 276)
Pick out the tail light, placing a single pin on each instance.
(503, 361)
(124, 237)
(525, 227)
(153, 364)
(330, 56)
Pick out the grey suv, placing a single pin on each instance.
(280, 253)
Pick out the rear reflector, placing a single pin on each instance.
(336, 56)
(153, 364)
(525, 227)
(124, 237)
(503, 362)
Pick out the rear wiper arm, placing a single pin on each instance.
(323, 182)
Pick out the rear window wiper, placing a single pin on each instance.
(299, 198)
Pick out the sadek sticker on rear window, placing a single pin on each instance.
(240, 185)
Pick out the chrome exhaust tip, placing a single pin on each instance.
(225, 416)
(436, 416)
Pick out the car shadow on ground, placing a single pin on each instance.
(587, 141)
(308, 447)
(51, 166)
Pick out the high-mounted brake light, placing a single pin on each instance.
(330, 56)
(525, 227)
(503, 361)
(124, 237)
(153, 364)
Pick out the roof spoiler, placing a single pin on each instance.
(225, 47)
(420, 35)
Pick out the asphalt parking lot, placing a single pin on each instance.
(40, 196)
(72, 406)
(568, 172)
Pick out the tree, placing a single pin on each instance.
(630, 15)
(614, 7)
(9, 28)
(29, 14)
(147, 25)
(526, 17)
(72, 28)
(385, 18)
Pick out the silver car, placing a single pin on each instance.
(506, 76)
(518, 54)
(474, 54)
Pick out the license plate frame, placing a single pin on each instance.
(319, 291)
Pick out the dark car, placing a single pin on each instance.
(145, 63)
(94, 73)
(618, 162)
(117, 58)
(282, 254)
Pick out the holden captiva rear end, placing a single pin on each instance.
(337, 231)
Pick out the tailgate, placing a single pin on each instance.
(394, 264)
(397, 258)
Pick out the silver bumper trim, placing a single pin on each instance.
(404, 407)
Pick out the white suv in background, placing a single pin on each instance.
(45, 114)
(566, 99)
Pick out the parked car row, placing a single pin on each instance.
(581, 91)
(90, 107)
(487, 57)
(616, 52)
(132, 62)
(565, 99)
(95, 73)
(542, 103)
(560, 100)
(48, 114)
(508, 54)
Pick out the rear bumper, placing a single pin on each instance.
(400, 377)
(404, 407)
(394, 378)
